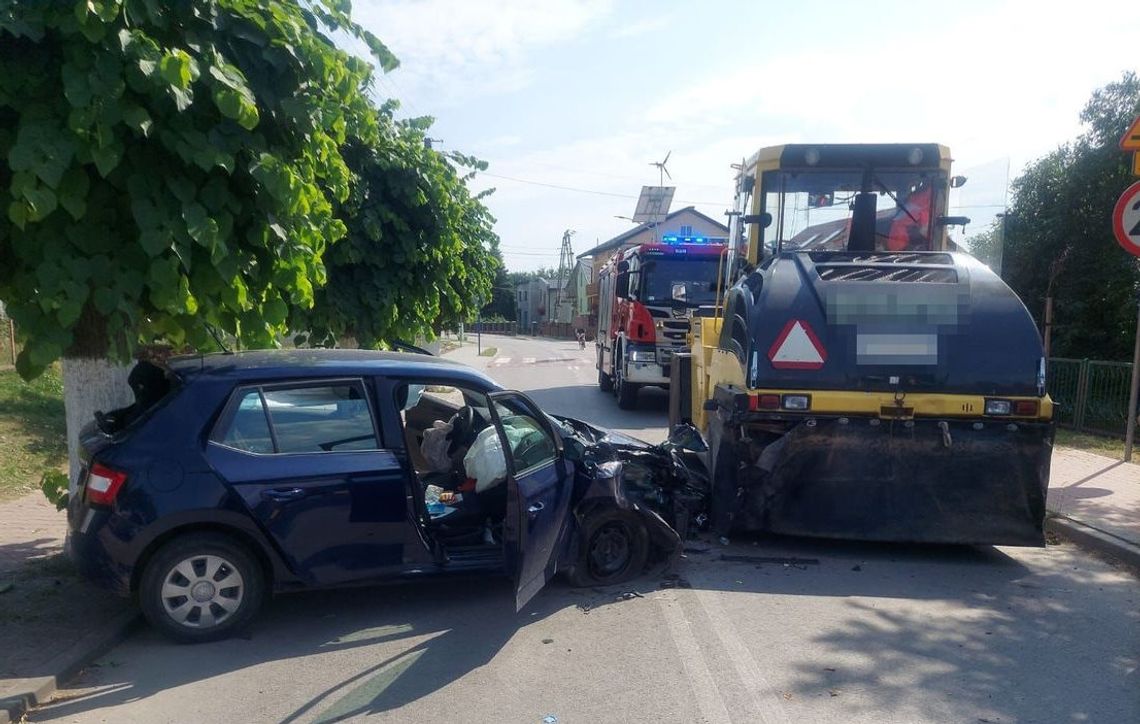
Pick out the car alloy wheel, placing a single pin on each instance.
(202, 591)
(201, 586)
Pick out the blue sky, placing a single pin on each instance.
(585, 93)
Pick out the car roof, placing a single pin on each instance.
(274, 364)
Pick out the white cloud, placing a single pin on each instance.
(451, 50)
(1003, 82)
(1007, 81)
(644, 26)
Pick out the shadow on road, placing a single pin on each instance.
(996, 652)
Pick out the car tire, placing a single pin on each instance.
(626, 391)
(614, 547)
(201, 587)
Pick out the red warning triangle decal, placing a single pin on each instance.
(797, 348)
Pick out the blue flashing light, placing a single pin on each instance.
(676, 239)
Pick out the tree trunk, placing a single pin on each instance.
(89, 385)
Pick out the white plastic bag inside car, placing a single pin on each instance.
(485, 460)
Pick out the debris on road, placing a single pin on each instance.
(786, 561)
(674, 580)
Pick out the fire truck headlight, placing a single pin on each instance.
(643, 356)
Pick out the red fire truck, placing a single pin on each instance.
(646, 295)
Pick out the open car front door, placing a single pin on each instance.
(538, 491)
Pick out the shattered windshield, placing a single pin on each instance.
(813, 209)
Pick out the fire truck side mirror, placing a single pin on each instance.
(621, 285)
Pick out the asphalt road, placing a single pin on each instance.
(855, 633)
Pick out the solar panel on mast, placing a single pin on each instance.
(653, 204)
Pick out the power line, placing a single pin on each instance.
(591, 191)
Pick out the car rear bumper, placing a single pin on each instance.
(90, 547)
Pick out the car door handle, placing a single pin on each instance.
(283, 494)
(534, 509)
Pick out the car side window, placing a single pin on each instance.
(249, 428)
(321, 418)
(325, 417)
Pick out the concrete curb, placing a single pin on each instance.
(1095, 539)
(19, 695)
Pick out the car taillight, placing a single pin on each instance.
(1025, 408)
(103, 484)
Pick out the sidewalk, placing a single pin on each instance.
(1095, 500)
(30, 529)
(52, 622)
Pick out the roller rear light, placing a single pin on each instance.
(1026, 408)
(772, 401)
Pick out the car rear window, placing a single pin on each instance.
(301, 419)
(249, 428)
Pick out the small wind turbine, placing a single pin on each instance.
(663, 172)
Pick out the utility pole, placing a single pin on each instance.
(565, 266)
(1054, 271)
(1130, 433)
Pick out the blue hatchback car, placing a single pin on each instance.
(236, 475)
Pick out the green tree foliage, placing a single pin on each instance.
(420, 249)
(986, 247)
(1060, 228)
(168, 168)
(502, 305)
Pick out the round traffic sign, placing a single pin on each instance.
(1126, 219)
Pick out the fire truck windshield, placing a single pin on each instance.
(691, 280)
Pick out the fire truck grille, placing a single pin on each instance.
(674, 331)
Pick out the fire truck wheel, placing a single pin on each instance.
(626, 391)
(605, 382)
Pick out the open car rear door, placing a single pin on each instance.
(538, 491)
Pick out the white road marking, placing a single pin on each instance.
(710, 702)
(767, 708)
(528, 360)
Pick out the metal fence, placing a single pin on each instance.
(493, 328)
(1090, 395)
